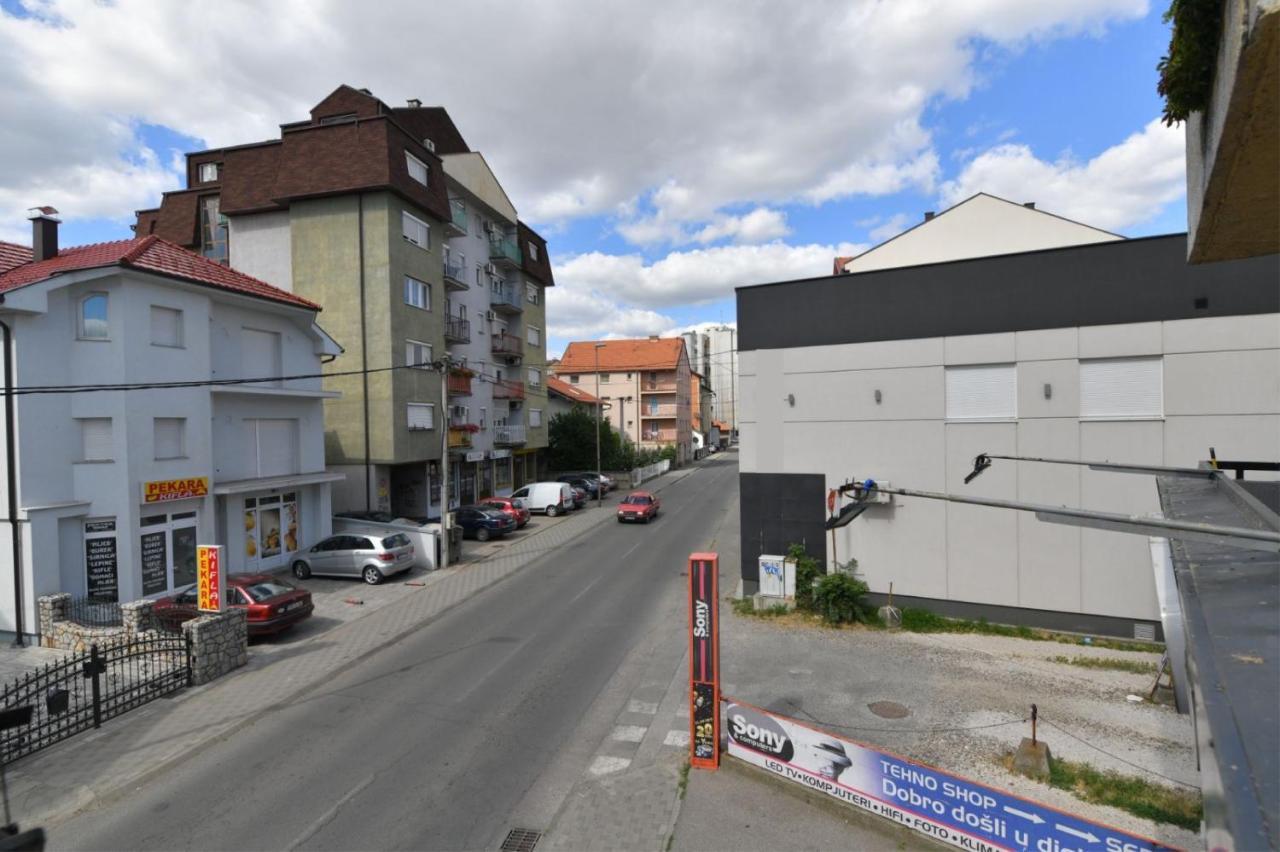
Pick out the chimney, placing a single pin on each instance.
(1030, 205)
(929, 214)
(414, 102)
(365, 92)
(44, 233)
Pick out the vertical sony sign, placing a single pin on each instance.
(704, 661)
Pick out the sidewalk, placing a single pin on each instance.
(125, 752)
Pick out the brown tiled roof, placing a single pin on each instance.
(570, 392)
(149, 254)
(12, 254)
(661, 353)
(539, 269)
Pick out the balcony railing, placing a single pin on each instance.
(659, 436)
(508, 389)
(455, 275)
(658, 386)
(506, 344)
(457, 330)
(504, 250)
(459, 436)
(460, 384)
(658, 411)
(506, 300)
(457, 224)
(508, 435)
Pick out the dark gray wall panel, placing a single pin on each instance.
(780, 509)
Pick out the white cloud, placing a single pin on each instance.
(580, 107)
(895, 225)
(758, 226)
(1123, 186)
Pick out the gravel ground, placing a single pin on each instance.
(962, 681)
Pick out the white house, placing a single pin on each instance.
(115, 488)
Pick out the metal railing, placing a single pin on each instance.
(455, 275)
(664, 436)
(460, 384)
(658, 411)
(658, 386)
(508, 389)
(505, 299)
(457, 330)
(458, 215)
(509, 435)
(506, 344)
(94, 612)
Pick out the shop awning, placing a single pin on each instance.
(275, 483)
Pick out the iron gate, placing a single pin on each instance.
(89, 687)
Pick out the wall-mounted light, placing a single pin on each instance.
(878, 397)
(790, 399)
(1048, 391)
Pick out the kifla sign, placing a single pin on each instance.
(210, 581)
(704, 661)
(938, 804)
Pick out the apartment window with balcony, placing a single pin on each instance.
(535, 377)
(415, 230)
(535, 418)
(208, 172)
(418, 170)
(417, 354)
(170, 437)
(531, 294)
(535, 335)
(422, 415)
(95, 439)
(417, 293)
(213, 230)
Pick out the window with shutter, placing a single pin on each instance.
(1122, 388)
(415, 230)
(277, 447)
(166, 326)
(982, 392)
(535, 417)
(421, 415)
(417, 168)
(170, 437)
(260, 354)
(95, 439)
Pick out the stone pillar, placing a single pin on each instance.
(138, 617)
(52, 608)
(219, 643)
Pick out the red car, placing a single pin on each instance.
(638, 506)
(273, 603)
(510, 508)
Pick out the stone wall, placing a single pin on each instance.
(219, 643)
(57, 632)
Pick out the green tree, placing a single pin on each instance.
(571, 439)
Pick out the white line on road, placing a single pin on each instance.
(679, 739)
(328, 815)
(605, 765)
(628, 733)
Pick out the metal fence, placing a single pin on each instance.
(89, 687)
(92, 612)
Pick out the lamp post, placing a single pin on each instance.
(599, 414)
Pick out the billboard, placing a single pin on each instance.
(209, 578)
(938, 804)
(704, 661)
(165, 490)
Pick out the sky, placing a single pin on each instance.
(668, 151)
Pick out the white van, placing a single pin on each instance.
(550, 498)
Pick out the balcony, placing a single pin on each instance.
(460, 383)
(460, 435)
(455, 275)
(506, 344)
(508, 436)
(505, 300)
(457, 224)
(504, 250)
(508, 389)
(658, 386)
(658, 436)
(457, 330)
(665, 411)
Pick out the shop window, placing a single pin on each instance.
(168, 547)
(271, 529)
(101, 560)
(93, 317)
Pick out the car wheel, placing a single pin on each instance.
(552, 511)
(482, 534)
(372, 575)
(619, 520)
(648, 518)
(300, 570)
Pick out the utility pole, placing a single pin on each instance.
(444, 463)
(599, 414)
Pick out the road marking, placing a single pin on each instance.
(587, 588)
(328, 815)
(679, 739)
(605, 765)
(646, 707)
(628, 733)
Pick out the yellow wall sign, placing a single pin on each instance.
(209, 578)
(165, 490)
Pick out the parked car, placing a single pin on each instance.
(592, 476)
(590, 486)
(638, 506)
(369, 556)
(482, 523)
(379, 517)
(509, 506)
(579, 496)
(273, 603)
(550, 498)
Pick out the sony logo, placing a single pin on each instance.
(701, 619)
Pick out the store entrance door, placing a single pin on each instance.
(168, 551)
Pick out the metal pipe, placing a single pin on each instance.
(445, 365)
(1113, 467)
(364, 356)
(10, 451)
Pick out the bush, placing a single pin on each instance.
(1187, 70)
(668, 452)
(807, 571)
(840, 599)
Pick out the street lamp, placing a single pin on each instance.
(599, 490)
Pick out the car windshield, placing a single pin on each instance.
(267, 589)
(638, 499)
(393, 541)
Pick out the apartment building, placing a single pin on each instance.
(356, 209)
(114, 490)
(721, 359)
(646, 383)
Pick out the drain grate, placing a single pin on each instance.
(889, 710)
(521, 840)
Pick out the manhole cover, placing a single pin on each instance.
(520, 840)
(889, 710)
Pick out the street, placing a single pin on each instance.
(436, 741)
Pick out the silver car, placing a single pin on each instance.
(365, 555)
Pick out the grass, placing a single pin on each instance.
(1112, 663)
(682, 786)
(1138, 796)
(924, 621)
(745, 606)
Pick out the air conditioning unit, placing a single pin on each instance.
(429, 145)
(490, 315)
(491, 269)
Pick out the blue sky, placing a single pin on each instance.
(667, 153)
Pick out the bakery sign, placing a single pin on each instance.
(166, 490)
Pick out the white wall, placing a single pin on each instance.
(260, 245)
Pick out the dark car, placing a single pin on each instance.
(508, 506)
(605, 480)
(482, 523)
(590, 486)
(579, 496)
(638, 506)
(273, 603)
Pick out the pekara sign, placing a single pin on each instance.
(704, 661)
(937, 804)
(165, 490)
(210, 580)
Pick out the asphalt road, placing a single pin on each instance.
(433, 742)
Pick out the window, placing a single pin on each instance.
(339, 119)
(417, 168)
(535, 418)
(213, 230)
(93, 317)
(531, 293)
(479, 274)
(417, 293)
(573, 380)
(260, 355)
(982, 392)
(533, 250)
(484, 417)
(422, 415)
(628, 377)
(415, 230)
(417, 354)
(604, 377)
(276, 445)
(208, 172)
(170, 437)
(1121, 388)
(535, 335)
(95, 439)
(535, 377)
(166, 327)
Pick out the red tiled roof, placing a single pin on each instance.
(149, 254)
(661, 353)
(570, 392)
(12, 254)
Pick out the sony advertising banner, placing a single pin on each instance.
(704, 661)
(938, 804)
